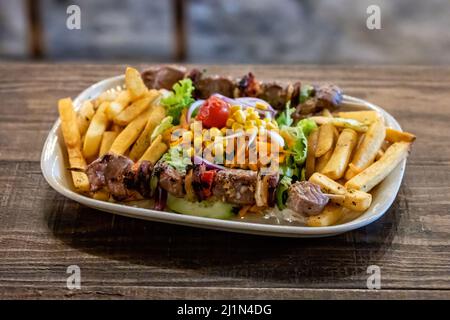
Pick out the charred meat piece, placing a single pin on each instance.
(328, 96)
(205, 87)
(295, 95)
(110, 171)
(170, 179)
(163, 77)
(248, 86)
(266, 185)
(306, 198)
(195, 75)
(305, 109)
(274, 94)
(139, 178)
(235, 186)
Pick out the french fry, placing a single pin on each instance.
(331, 214)
(338, 162)
(122, 100)
(325, 140)
(341, 123)
(310, 156)
(101, 195)
(129, 135)
(367, 151)
(107, 141)
(327, 185)
(374, 174)
(143, 142)
(379, 155)
(134, 83)
(155, 151)
(393, 135)
(85, 116)
(355, 200)
(322, 161)
(109, 96)
(136, 108)
(94, 133)
(72, 140)
(361, 116)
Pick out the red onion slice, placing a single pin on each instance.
(208, 164)
(194, 106)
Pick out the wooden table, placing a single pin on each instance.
(42, 233)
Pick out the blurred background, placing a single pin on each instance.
(227, 31)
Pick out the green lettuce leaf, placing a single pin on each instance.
(285, 117)
(180, 98)
(165, 124)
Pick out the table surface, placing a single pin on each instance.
(42, 233)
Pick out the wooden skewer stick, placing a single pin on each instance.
(336, 197)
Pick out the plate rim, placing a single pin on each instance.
(204, 222)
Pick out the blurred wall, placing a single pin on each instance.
(233, 31)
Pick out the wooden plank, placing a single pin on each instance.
(41, 232)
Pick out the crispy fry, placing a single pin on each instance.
(129, 135)
(72, 140)
(367, 151)
(327, 185)
(329, 216)
(322, 161)
(134, 83)
(361, 116)
(379, 155)
(325, 139)
(143, 142)
(135, 109)
(374, 174)
(338, 162)
(122, 100)
(85, 116)
(355, 200)
(310, 158)
(155, 151)
(101, 195)
(109, 96)
(393, 135)
(341, 123)
(107, 141)
(94, 133)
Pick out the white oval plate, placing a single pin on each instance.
(54, 163)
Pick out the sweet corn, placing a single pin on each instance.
(188, 136)
(190, 152)
(214, 132)
(261, 106)
(237, 126)
(252, 116)
(233, 109)
(239, 116)
(230, 122)
(259, 122)
(270, 126)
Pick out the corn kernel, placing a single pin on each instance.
(223, 130)
(230, 122)
(259, 122)
(253, 116)
(188, 136)
(239, 116)
(261, 106)
(214, 132)
(270, 126)
(237, 126)
(190, 152)
(234, 109)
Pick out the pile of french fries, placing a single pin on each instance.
(348, 155)
(119, 121)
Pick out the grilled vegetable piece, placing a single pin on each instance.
(306, 198)
(208, 209)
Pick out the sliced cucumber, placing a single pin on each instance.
(208, 209)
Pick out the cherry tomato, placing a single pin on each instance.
(214, 113)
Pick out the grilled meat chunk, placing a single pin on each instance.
(306, 198)
(139, 178)
(205, 87)
(274, 94)
(170, 179)
(110, 171)
(235, 186)
(248, 86)
(328, 96)
(163, 77)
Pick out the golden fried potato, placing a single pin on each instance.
(135, 109)
(366, 152)
(325, 140)
(355, 200)
(155, 151)
(129, 135)
(85, 116)
(374, 174)
(71, 134)
(340, 158)
(327, 185)
(331, 214)
(134, 83)
(341, 123)
(107, 141)
(361, 116)
(122, 100)
(94, 133)
(310, 155)
(143, 142)
(393, 135)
